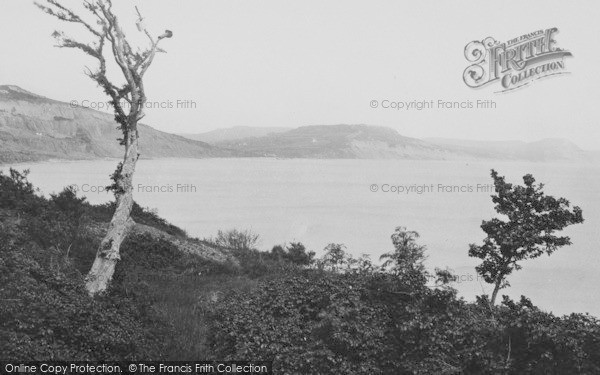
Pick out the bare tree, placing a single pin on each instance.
(107, 31)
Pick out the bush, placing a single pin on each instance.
(294, 253)
(237, 240)
(292, 320)
(16, 192)
(46, 313)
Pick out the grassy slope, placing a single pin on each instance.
(168, 288)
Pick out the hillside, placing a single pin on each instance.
(234, 133)
(376, 142)
(340, 142)
(33, 127)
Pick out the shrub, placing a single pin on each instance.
(234, 239)
(302, 321)
(46, 313)
(294, 253)
(16, 192)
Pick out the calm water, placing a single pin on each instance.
(322, 201)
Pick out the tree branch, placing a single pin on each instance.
(61, 12)
(132, 64)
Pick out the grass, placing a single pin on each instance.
(183, 303)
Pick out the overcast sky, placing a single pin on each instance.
(294, 63)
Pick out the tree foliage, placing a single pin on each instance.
(335, 257)
(294, 253)
(408, 256)
(525, 230)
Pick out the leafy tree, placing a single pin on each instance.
(297, 254)
(408, 256)
(278, 252)
(294, 253)
(335, 256)
(530, 220)
(105, 28)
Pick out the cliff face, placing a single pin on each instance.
(33, 128)
(338, 141)
(376, 142)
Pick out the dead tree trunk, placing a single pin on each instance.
(107, 255)
(133, 65)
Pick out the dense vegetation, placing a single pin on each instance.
(335, 314)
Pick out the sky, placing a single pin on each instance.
(294, 63)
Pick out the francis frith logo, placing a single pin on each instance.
(515, 63)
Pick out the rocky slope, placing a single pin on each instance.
(33, 127)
